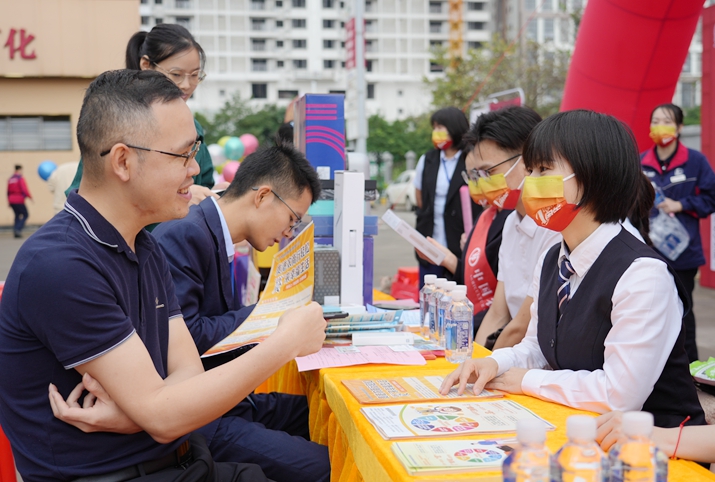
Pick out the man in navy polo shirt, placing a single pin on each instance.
(89, 299)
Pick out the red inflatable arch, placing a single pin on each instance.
(628, 57)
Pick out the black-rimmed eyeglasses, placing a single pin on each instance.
(187, 157)
(298, 219)
(475, 174)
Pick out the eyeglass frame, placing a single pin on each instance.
(200, 77)
(191, 155)
(299, 219)
(475, 174)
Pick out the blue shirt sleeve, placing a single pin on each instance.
(418, 172)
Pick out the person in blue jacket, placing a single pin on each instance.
(688, 185)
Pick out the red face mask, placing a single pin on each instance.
(441, 140)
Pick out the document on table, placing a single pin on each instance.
(409, 389)
(332, 357)
(413, 236)
(447, 418)
(289, 285)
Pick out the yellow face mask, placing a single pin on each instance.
(497, 192)
(544, 202)
(663, 135)
(441, 140)
(475, 191)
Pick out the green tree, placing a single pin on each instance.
(539, 71)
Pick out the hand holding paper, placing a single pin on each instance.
(304, 327)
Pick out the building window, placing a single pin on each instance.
(158, 2)
(40, 133)
(435, 43)
(435, 67)
(300, 44)
(328, 44)
(300, 64)
(475, 25)
(435, 7)
(279, 23)
(436, 27)
(687, 65)
(687, 90)
(369, 6)
(279, 44)
(475, 6)
(144, 2)
(475, 45)
(258, 45)
(532, 30)
(279, 3)
(328, 23)
(298, 23)
(529, 5)
(370, 45)
(184, 22)
(221, 93)
(145, 20)
(370, 25)
(279, 64)
(298, 3)
(258, 4)
(258, 24)
(328, 64)
(369, 65)
(342, 45)
(328, 3)
(259, 91)
(336, 92)
(399, 93)
(259, 65)
(342, 64)
(159, 21)
(547, 6)
(370, 91)
(342, 24)
(548, 29)
(287, 94)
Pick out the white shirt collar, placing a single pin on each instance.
(525, 224)
(443, 156)
(586, 253)
(230, 251)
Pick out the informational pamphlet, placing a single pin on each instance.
(413, 236)
(447, 419)
(440, 457)
(289, 285)
(409, 389)
(329, 357)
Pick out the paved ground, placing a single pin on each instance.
(391, 252)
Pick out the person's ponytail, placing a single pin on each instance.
(134, 51)
(640, 211)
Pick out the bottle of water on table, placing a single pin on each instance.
(458, 327)
(581, 459)
(424, 303)
(637, 458)
(433, 298)
(531, 461)
(443, 303)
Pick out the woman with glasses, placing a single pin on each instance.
(437, 182)
(172, 50)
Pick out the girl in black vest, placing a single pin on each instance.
(606, 328)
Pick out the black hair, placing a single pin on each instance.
(282, 167)
(285, 133)
(163, 41)
(675, 113)
(117, 108)
(455, 121)
(18, 167)
(508, 128)
(603, 154)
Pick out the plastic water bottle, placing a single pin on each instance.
(437, 293)
(531, 461)
(637, 458)
(458, 327)
(424, 303)
(443, 304)
(659, 196)
(581, 459)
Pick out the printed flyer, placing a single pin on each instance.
(409, 389)
(445, 419)
(289, 285)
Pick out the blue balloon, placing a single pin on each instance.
(45, 169)
(234, 149)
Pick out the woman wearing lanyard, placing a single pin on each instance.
(437, 182)
(686, 190)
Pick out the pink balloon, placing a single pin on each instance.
(250, 143)
(229, 170)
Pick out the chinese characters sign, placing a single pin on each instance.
(18, 43)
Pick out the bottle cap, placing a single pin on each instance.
(459, 288)
(440, 282)
(637, 424)
(530, 431)
(430, 279)
(581, 427)
(458, 295)
(450, 285)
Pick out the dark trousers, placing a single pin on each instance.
(20, 217)
(687, 277)
(271, 432)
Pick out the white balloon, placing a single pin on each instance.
(218, 156)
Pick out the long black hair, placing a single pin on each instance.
(163, 41)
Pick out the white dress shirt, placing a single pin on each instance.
(444, 178)
(521, 247)
(646, 318)
(230, 250)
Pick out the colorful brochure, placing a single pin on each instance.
(440, 457)
(353, 355)
(412, 236)
(447, 419)
(409, 389)
(289, 285)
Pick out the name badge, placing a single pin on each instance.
(678, 178)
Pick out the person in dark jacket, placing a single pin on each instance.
(686, 183)
(437, 182)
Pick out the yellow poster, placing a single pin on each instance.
(289, 285)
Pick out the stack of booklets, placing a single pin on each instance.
(441, 457)
(382, 321)
(448, 419)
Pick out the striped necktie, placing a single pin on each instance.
(565, 272)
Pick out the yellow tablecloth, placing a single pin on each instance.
(358, 452)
